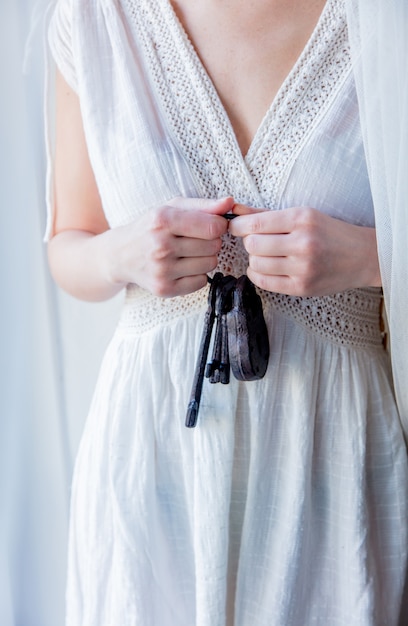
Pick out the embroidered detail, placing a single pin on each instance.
(300, 104)
(199, 121)
(347, 318)
(200, 125)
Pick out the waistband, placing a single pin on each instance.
(349, 318)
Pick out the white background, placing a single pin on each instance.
(50, 348)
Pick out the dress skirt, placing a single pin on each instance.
(285, 506)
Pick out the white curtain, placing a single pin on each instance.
(379, 38)
(50, 349)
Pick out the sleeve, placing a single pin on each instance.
(60, 41)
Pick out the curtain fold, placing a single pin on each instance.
(51, 346)
(34, 468)
(379, 40)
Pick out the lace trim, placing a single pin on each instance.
(201, 127)
(349, 318)
(199, 121)
(190, 102)
(302, 101)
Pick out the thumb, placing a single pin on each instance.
(243, 209)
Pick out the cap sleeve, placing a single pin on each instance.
(60, 41)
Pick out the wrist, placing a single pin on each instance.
(371, 275)
(111, 244)
(78, 262)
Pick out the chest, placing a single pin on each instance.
(307, 150)
(248, 49)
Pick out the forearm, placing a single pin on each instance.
(371, 276)
(82, 264)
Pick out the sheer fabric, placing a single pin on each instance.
(34, 460)
(379, 39)
(45, 386)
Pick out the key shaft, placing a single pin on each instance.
(195, 397)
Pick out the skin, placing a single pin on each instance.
(246, 48)
(302, 252)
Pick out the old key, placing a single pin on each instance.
(194, 403)
(241, 343)
(218, 369)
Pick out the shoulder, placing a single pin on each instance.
(77, 29)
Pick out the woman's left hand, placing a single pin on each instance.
(300, 251)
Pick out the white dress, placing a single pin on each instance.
(287, 504)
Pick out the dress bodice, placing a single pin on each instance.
(156, 128)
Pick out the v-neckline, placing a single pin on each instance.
(193, 54)
(196, 120)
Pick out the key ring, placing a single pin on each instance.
(241, 338)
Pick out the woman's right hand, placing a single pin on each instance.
(170, 250)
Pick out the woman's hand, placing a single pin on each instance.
(303, 252)
(167, 251)
(170, 250)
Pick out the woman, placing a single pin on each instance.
(287, 505)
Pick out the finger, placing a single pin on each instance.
(163, 278)
(243, 209)
(197, 224)
(262, 222)
(272, 266)
(193, 266)
(188, 247)
(270, 245)
(217, 206)
(188, 284)
(180, 286)
(276, 284)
